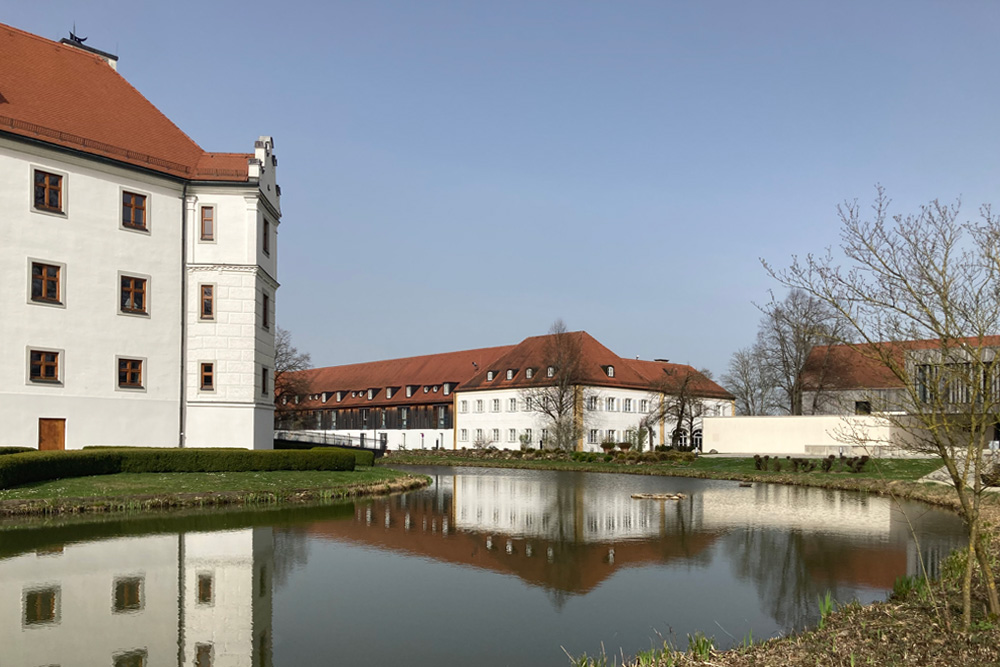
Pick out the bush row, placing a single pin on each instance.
(670, 456)
(364, 457)
(529, 454)
(37, 466)
(853, 464)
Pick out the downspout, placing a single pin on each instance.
(183, 375)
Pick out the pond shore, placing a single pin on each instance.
(918, 628)
(166, 491)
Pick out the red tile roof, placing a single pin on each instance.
(468, 370)
(595, 358)
(63, 95)
(430, 371)
(857, 366)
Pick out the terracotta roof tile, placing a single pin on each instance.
(69, 97)
(596, 358)
(431, 370)
(468, 370)
(853, 366)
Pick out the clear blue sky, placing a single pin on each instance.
(460, 174)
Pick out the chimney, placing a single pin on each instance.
(78, 43)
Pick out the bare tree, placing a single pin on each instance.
(678, 401)
(921, 295)
(288, 382)
(789, 329)
(558, 395)
(750, 381)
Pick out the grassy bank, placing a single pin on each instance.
(918, 626)
(708, 467)
(880, 476)
(150, 491)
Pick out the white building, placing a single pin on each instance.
(191, 599)
(478, 398)
(615, 397)
(140, 270)
(855, 403)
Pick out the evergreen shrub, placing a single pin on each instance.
(362, 457)
(16, 450)
(43, 466)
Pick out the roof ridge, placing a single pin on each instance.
(52, 42)
(419, 356)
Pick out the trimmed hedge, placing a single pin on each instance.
(362, 457)
(16, 450)
(43, 466)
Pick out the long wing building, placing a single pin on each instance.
(491, 397)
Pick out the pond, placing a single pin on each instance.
(484, 567)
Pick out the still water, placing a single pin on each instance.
(485, 567)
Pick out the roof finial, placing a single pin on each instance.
(73, 36)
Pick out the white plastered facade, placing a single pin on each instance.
(501, 418)
(87, 328)
(126, 597)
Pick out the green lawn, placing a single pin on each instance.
(159, 484)
(707, 466)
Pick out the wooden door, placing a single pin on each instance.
(51, 434)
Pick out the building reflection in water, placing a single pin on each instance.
(794, 544)
(192, 599)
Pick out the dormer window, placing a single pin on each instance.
(409, 390)
(354, 394)
(426, 388)
(340, 396)
(388, 392)
(610, 370)
(296, 400)
(371, 394)
(528, 373)
(489, 376)
(447, 388)
(550, 371)
(436, 389)
(510, 373)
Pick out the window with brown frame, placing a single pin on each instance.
(134, 211)
(133, 295)
(44, 366)
(267, 238)
(208, 377)
(41, 606)
(45, 282)
(207, 302)
(130, 373)
(207, 223)
(267, 309)
(128, 594)
(48, 191)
